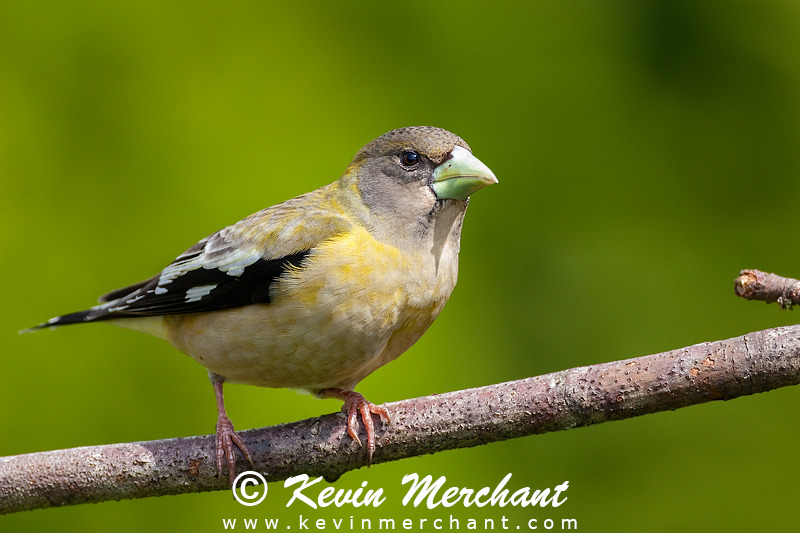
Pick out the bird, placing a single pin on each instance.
(319, 291)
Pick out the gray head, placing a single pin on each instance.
(407, 176)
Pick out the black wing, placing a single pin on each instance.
(194, 291)
(231, 268)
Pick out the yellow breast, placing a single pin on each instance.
(354, 305)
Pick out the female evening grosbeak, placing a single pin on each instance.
(319, 291)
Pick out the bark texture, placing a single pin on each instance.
(766, 287)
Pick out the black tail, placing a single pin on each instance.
(81, 317)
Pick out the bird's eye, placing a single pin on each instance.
(410, 159)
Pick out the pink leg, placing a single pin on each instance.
(226, 436)
(354, 404)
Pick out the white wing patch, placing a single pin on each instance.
(174, 271)
(232, 261)
(195, 293)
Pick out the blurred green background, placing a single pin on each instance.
(646, 150)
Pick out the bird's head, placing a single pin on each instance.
(405, 177)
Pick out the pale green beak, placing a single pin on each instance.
(460, 176)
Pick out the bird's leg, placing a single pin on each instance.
(354, 403)
(226, 436)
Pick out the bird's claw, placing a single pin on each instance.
(355, 403)
(225, 439)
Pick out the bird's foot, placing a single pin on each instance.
(226, 438)
(355, 403)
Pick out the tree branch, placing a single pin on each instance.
(721, 370)
(765, 287)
